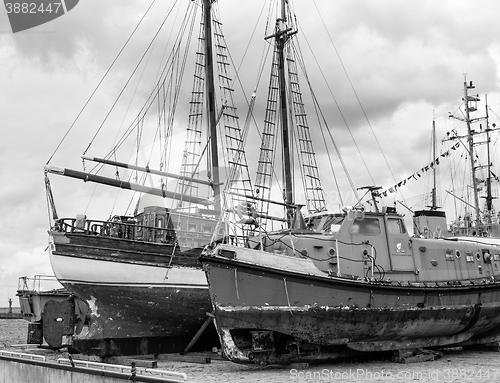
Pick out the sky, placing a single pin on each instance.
(393, 67)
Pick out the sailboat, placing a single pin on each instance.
(330, 285)
(139, 273)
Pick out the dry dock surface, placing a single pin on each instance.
(455, 366)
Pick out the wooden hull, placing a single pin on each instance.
(276, 309)
(135, 291)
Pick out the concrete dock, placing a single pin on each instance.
(25, 367)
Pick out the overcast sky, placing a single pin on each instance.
(405, 59)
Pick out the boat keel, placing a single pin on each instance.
(143, 346)
(270, 347)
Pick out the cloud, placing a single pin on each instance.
(404, 60)
(15, 264)
(93, 23)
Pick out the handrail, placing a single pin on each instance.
(24, 281)
(115, 229)
(180, 376)
(22, 355)
(128, 231)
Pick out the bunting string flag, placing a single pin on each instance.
(418, 174)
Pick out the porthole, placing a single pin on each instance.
(457, 254)
(478, 256)
(332, 256)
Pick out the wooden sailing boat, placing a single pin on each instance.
(140, 273)
(335, 284)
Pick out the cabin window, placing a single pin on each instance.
(395, 226)
(333, 224)
(327, 223)
(370, 226)
(192, 227)
(160, 223)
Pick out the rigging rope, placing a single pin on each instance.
(357, 97)
(128, 80)
(149, 102)
(99, 84)
(337, 150)
(340, 112)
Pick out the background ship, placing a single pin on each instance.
(139, 273)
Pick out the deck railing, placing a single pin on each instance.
(130, 230)
(26, 283)
(116, 229)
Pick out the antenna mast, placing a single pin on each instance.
(470, 139)
(434, 205)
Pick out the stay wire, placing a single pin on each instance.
(144, 110)
(341, 114)
(320, 112)
(99, 84)
(128, 81)
(356, 94)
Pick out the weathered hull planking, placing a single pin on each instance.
(136, 292)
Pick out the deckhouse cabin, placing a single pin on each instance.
(378, 246)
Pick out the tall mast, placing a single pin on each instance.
(210, 100)
(470, 140)
(489, 196)
(281, 38)
(433, 193)
(286, 119)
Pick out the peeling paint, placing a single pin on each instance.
(92, 302)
